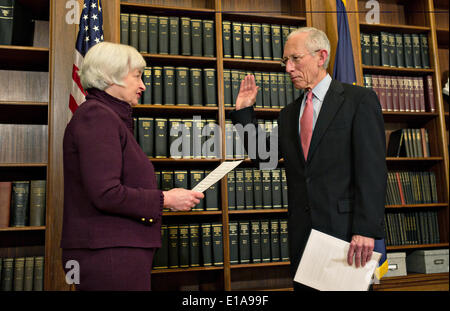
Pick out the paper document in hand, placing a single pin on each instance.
(216, 175)
(324, 265)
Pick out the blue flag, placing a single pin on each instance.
(344, 65)
(344, 71)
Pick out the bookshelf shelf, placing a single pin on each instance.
(180, 60)
(263, 17)
(258, 211)
(193, 213)
(397, 70)
(429, 159)
(23, 58)
(414, 281)
(167, 10)
(433, 205)
(248, 64)
(415, 246)
(260, 265)
(17, 229)
(194, 269)
(393, 28)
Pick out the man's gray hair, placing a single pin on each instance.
(316, 40)
(109, 63)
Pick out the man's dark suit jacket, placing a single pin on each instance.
(340, 189)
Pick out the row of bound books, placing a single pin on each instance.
(250, 188)
(412, 228)
(188, 179)
(258, 241)
(275, 88)
(396, 93)
(395, 50)
(254, 40)
(168, 34)
(190, 245)
(22, 273)
(181, 86)
(411, 188)
(178, 138)
(411, 143)
(22, 203)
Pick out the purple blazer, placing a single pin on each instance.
(111, 197)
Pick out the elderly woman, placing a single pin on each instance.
(112, 207)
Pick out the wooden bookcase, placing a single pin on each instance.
(47, 103)
(24, 107)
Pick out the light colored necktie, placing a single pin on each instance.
(306, 124)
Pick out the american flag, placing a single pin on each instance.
(89, 34)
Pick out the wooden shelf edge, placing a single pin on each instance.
(435, 205)
(396, 27)
(258, 211)
(24, 103)
(166, 8)
(175, 107)
(23, 165)
(398, 69)
(26, 228)
(416, 246)
(260, 265)
(192, 213)
(395, 159)
(179, 57)
(190, 269)
(24, 48)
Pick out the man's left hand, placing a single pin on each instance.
(362, 248)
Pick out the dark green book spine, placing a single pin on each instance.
(265, 241)
(266, 96)
(247, 40)
(196, 37)
(197, 127)
(157, 88)
(256, 41)
(284, 246)
(209, 80)
(284, 188)
(6, 22)
(417, 59)
(244, 242)
(226, 37)
(174, 35)
(366, 49)
(276, 189)
(175, 140)
(276, 42)
(19, 273)
(197, 176)
(229, 139)
(275, 240)
(266, 42)
(187, 139)
(134, 31)
(152, 32)
(240, 194)
(400, 49)
(267, 189)
(212, 196)
(161, 258)
(146, 134)
(392, 50)
(248, 188)
(158, 178)
(20, 203)
(143, 36)
(161, 138)
(384, 49)
(206, 244)
(28, 274)
(185, 36)
(147, 79)
(227, 88)
(38, 277)
(124, 28)
(208, 38)
(182, 86)
(37, 202)
(194, 245)
(288, 89)
(183, 246)
(181, 179)
(7, 274)
(274, 103)
(169, 85)
(196, 82)
(284, 34)
(167, 180)
(257, 189)
(375, 49)
(235, 85)
(217, 244)
(424, 52)
(237, 39)
(163, 35)
(173, 246)
(281, 90)
(255, 241)
(259, 96)
(234, 242)
(408, 51)
(231, 188)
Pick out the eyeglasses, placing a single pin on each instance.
(296, 58)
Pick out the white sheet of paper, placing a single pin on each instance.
(216, 175)
(324, 265)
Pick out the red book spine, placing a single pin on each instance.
(430, 95)
(382, 86)
(389, 100)
(400, 188)
(394, 84)
(401, 93)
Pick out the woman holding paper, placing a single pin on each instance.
(112, 207)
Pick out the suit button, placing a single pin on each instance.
(150, 220)
(143, 219)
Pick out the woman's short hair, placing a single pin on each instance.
(316, 40)
(108, 63)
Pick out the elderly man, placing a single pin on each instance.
(333, 143)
